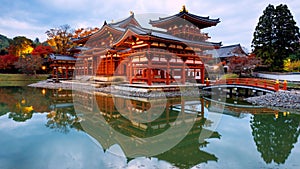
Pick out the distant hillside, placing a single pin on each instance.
(4, 42)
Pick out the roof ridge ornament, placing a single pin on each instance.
(131, 13)
(184, 10)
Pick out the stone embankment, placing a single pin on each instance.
(50, 85)
(281, 99)
(126, 91)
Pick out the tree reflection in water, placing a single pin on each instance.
(275, 136)
(20, 103)
(62, 116)
(63, 120)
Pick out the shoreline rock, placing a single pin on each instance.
(289, 100)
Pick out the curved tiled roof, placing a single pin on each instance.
(163, 35)
(228, 51)
(199, 21)
(119, 26)
(62, 57)
(125, 22)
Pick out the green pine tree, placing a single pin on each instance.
(263, 36)
(287, 35)
(276, 36)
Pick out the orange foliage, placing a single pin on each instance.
(82, 32)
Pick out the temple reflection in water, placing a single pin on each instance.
(167, 129)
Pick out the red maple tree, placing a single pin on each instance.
(7, 61)
(42, 51)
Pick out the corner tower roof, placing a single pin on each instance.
(126, 22)
(200, 21)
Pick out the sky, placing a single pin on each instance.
(32, 18)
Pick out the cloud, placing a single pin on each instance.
(12, 27)
(34, 17)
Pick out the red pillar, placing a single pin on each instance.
(207, 82)
(183, 73)
(168, 72)
(276, 86)
(149, 78)
(130, 71)
(111, 65)
(284, 85)
(106, 65)
(202, 74)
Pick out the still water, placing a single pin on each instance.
(59, 129)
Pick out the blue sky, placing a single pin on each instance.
(32, 18)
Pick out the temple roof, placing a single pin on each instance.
(130, 26)
(162, 35)
(118, 26)
(199, 21)
(62, 57)
(228, 51)
(125, 22)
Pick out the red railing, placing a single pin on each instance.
(262, 83)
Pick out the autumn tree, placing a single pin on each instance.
(60, 38)
(20, 46)
(33, 62)
(276, 36)
(42, 51)
(245, 64)
(82, 32)
(7, 62)
(29, 64)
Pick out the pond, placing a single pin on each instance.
(62, 129)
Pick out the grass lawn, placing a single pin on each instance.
(294, 86)
(20, 79)
(229, 76)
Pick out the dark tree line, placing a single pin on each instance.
(276, 37)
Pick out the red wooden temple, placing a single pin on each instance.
(127, 49)
(62, 65)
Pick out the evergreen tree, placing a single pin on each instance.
(264, 36)
(276, 36)
(4, 44)
(36, 42)
(287, 35)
